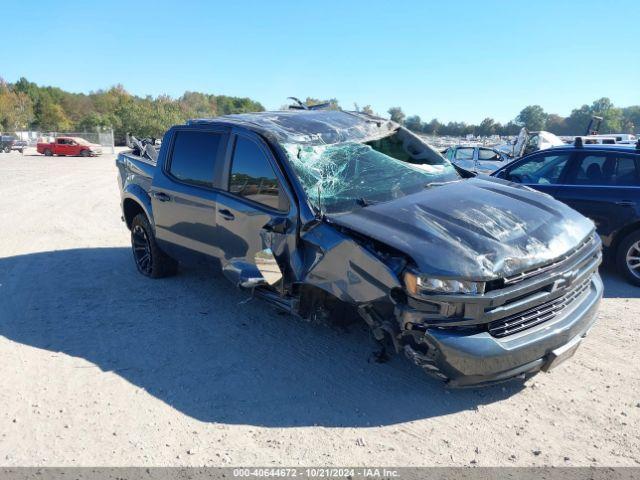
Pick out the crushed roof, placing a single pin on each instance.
(313, 127)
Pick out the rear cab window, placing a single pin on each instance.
(252, 176)
(194, 156)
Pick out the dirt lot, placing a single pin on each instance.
(100, 366)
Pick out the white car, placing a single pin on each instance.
(476, 159)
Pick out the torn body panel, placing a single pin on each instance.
(475, 281)
(337, 264)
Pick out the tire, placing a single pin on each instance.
(628, 257)
(48, 153)
(149, 259)
(7, 149)
(85, 153)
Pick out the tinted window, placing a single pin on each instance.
(541, 170)
(464, 154)
(252, 176)
(194, 157)
(605, 170)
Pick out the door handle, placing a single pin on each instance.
(161, 196)
(226, 214)
(626, 203)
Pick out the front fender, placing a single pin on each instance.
(340, 266)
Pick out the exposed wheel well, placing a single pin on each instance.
(131, 208)
(316, 303)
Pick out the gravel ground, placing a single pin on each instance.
(101, 366)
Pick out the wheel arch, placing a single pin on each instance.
(621, 234)
(135, 200)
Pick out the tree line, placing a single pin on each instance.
(533, 117)
(25, 105)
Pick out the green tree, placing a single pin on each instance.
(631, 119)
(487, 127)
(532, 117)
(16, 109)
(51, 117)
(434, 127)
(556, 124)
(413, 123)
(611, 116)
(396, 114)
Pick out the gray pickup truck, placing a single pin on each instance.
(345, 216)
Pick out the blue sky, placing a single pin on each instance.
(454, 60)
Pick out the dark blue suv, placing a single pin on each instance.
(600, 181)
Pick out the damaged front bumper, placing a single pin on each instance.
(531, 326)
(477, 359)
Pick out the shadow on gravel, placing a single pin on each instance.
(194, 342)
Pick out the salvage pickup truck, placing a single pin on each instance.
(71, 146)
(342, 215)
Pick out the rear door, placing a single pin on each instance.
(183, 192)
(256, 215)
(542, 171)
(604, 186)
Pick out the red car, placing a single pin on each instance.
(72, 146)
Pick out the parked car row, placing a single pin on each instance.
(330, 214)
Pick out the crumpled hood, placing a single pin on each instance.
(473, 229)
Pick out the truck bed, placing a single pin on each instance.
(135, 169)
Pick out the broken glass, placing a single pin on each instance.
(344, 176)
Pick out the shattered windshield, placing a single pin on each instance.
(342, 177)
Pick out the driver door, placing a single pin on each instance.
(543, 171)
(256, 217)
(62, 146)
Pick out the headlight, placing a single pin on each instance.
(417, 284)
